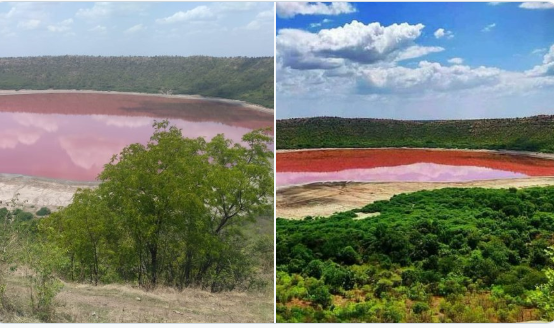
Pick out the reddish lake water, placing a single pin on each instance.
(71, 136)
(386, 165)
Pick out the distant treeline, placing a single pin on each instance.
(241, 78)
(527, 134)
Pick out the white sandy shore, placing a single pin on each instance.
(38, 192)
(193, 97)
(326, 198)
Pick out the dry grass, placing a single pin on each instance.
(126, 304)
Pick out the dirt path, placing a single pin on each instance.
(195, 97)
(326, 198)
(39, 192)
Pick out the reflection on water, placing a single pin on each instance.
(417, 165)
(77, 146)
(421, 172)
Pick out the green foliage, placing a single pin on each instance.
(22, 247)
(170, 212)
(241, 78)
(43, 211)
(544, 295)
(524, 134)
(479, 251)
(21, 215)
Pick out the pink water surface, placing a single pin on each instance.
(77, 146)
(419, 172)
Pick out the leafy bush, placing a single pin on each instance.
(43, 211)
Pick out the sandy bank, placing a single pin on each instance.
(501, 152)
(326, 198)
(192, 97)
(39, 191)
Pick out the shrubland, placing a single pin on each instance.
(240, 78)
(522, 134)
(447, 255)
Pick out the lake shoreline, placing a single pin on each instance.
(191, 97)
(323, 198)
(37, 191)
(326, 198)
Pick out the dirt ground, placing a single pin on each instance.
(37, 192)
(127, 304)
(326, 198)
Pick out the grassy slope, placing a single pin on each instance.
(530, 134)
(247, 79)
(120, 303)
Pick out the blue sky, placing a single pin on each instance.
(136, 28)
(415, 60)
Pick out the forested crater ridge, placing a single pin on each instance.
(240, 78)
(523, 134)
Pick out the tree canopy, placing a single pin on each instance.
(169, 212)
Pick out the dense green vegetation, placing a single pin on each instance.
(544, 295)
(448, 255)
(241, 78)
(525, 134)
(176, 212)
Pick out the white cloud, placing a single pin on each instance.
(426, 77)
(416, 51)
(323, 22)
(261, 19)
(537, 5)
(30, 24)
(99, 29)
(291, 9)
(494, 3)
(195, 14)
(547, 67)
(355, 42)
(549, 57)
(538, 51)
(235, 6)
(489, 27)
(62, 26)
(102, 10)
(135, 29)
(456, 61)
(98, 10)
(442, 33)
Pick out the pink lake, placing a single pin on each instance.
(409, 165)
(72, 136)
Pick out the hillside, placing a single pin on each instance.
(527, 134)
(241, 78)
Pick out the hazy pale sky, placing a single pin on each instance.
(136, 28)
(415, 60)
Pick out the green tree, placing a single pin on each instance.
(172, 211)
(543, 296)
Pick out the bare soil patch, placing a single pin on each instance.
(324, 199)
